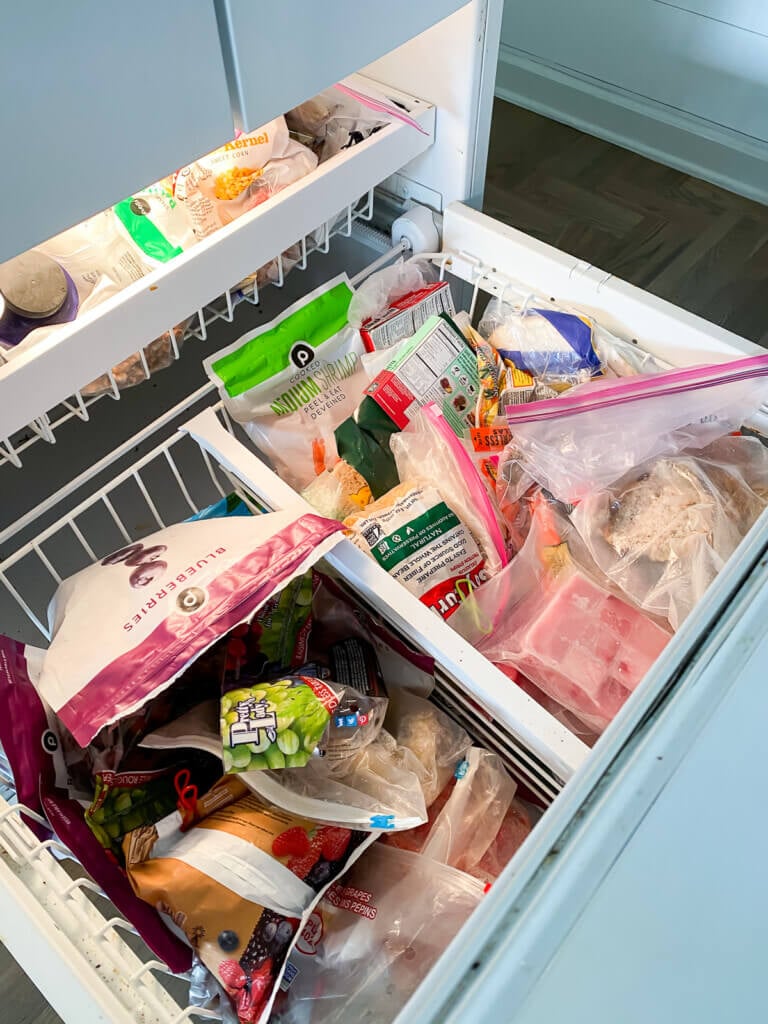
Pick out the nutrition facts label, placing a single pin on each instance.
(436, 366)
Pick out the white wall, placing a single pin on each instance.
(684, 82)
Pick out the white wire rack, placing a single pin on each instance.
(44, 428)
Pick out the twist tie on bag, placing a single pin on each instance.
(187, 794)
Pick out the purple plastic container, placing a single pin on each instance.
(35, 291)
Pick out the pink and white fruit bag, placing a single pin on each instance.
(126, 627)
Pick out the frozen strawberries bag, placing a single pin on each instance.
(242, 885)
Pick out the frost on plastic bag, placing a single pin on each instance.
(225, 184)
(548, 616)
(663, 532)
(373, 938)
(595, 434)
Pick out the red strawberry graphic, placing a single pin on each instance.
(333, 841)
(232, 974)
(301, 866)
(294, 842)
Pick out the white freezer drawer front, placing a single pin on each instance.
(99, 100)
(648, 902)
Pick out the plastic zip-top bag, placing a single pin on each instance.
(594, 434)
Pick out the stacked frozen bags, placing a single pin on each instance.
(563, 497)
(223, 761)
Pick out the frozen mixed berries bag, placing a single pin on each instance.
(242, 885)
(162, 602)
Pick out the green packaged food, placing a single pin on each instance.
(276, 724)
(126, 800)
(435, 365)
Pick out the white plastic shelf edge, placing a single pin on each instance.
(36, 380)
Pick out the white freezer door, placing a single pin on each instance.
(643, 897)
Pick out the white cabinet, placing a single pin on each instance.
(99, 99)
(295, 49)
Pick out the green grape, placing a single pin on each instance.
(288, 742)
(257, 763)
(241, 755)
(297, 760)
(275, 758)
(261, 746)
(227, 759)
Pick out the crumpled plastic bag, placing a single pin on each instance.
(664, 530)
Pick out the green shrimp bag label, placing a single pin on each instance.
(275, 725)
(292, 382)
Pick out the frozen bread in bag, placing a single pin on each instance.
(293, 381)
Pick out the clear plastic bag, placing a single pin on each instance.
(595, 434)
(375, 789)
(428, 450)
(547, 616)
(373, 939)
(556, 346)
(377, 293)
(436, 741)
(225, 184)
(663, 531)
(333, 121)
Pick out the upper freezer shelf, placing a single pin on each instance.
(302, 216)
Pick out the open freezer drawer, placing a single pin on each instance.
(38, 897)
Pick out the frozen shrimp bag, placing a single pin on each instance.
(594, 434)
(372, 939)
(242, 885)
(663, 531)
(163, 602)
(228, 182)
(551, 616)
(293, 381)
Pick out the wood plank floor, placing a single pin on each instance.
(681, 238)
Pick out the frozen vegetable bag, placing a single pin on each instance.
(293, 381)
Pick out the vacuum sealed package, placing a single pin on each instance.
(595, 434)
(224, 184)
(164, 601)
(549, 615)
(241, 884)
(156, 222)
(664, 530)
(292, 382)
(373, 938)
(435, 365)
(393, 303)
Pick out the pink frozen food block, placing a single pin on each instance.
(587, 648)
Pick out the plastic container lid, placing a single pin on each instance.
(33, 285)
